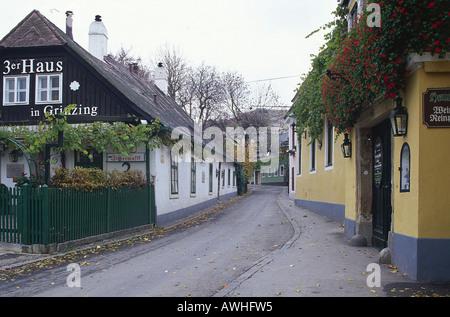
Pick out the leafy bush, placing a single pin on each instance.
(91, 178)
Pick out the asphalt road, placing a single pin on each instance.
(199, 259)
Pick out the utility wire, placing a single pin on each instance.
(275, 78)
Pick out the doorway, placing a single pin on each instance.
(381, 186)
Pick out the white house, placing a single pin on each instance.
(43, 69)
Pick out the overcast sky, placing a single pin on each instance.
(260, 39)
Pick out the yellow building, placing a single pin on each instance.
(393, 192)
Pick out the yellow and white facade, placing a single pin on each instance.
(393, 191)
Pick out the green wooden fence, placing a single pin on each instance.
(9, 224)
(50, 215)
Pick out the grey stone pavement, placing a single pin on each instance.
(317, 261)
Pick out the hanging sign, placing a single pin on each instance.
(378, 163)
(436, 108)
(134, 157)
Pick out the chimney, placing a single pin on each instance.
(69, 22)
(134, 68)
(161, 78)
(98, 38)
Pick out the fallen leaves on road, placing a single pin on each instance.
(76, 256)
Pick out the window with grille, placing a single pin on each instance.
(49, 88)
(16, 90)
(193, 176)
(173, 176)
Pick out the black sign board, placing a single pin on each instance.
(378, 162)
(31, 66)
(27, 82)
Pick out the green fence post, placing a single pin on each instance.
(45, 233)
(152, 205)
(26, 211)
(108, 209)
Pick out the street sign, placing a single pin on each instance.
(134, 157)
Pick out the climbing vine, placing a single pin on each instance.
(372, 61)
(118, 137)
(356, 67)
(308, 107)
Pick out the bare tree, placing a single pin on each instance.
(176, 66)
(265, 97)
(236, 95)
(209, 96)
(135, 64)
(202, 94)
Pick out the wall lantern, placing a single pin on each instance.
(13, 156)
(346, 147)
(399, 118)
(298, 131)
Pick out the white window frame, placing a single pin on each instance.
(329, 165)
(281, 170)
(312, 157)
(193, 172)
(211, 178)
(48, 89)
(174, 170)
(234, 178)
(27, 91)
(298, 160)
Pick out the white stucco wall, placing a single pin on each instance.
(166, 202)
(160, 170)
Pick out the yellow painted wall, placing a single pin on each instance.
(350, 178)
(406, 205)
(434, 172)
(325, 184)
(425, 211)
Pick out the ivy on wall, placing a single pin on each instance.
(309, 107)
(356, 67)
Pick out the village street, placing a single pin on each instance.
(261, 245)
(195, 260)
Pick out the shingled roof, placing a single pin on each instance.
(35, 30)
